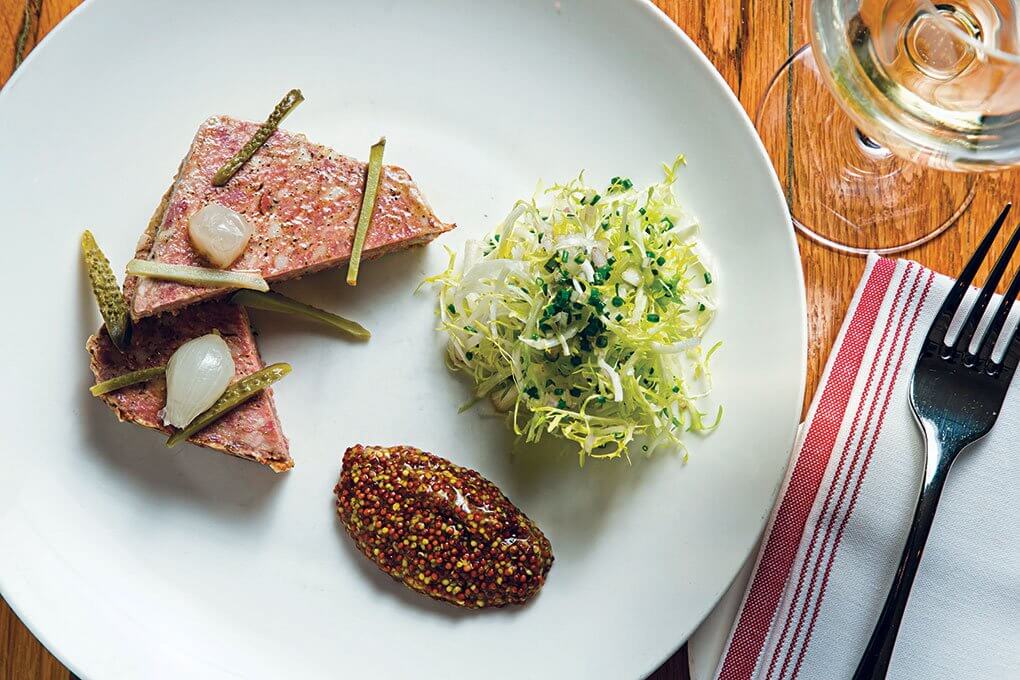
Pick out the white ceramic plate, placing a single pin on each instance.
(131, 561)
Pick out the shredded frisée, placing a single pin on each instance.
(583, 316)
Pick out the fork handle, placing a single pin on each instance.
(874, 663)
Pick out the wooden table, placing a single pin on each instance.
(746, 40)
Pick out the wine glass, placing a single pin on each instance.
(878, 127)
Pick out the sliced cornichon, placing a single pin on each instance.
(367, 206)
(197, 276)
(121, 381)
(286, 105)
(275, 302)
(235, 395)
(111, 301)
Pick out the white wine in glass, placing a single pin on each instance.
(878, 127)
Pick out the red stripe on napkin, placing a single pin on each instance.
(777, 558)
(864, 469)
(893, 323)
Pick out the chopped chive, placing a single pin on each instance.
(653, 318)
(701, 307)
(558, 391)
(660, 260)
(708, 278)
(676, 389)
(451, 309)
(575, 392)
(579, 258)
(469, 355)
(564, 256)
(602, 341)
(375, 157)
(561, 404)
(575, 360)
(265, 131)
(551, 265)
(595, 199)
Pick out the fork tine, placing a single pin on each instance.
(1011, 358)
(939, 328)
(999, 322)
(978, 310)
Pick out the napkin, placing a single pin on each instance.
(834, 539)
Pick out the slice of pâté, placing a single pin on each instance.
(251, 431)
(302, 200)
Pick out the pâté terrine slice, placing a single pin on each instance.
(302, 200)
(251, 431)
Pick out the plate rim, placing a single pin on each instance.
(665, 22)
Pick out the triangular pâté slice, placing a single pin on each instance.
(251, 431)
(303, 202)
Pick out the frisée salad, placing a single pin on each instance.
(583, 314)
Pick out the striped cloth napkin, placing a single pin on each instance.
(832, 545)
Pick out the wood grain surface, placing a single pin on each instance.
(747, 40)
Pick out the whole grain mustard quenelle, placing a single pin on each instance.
(441, 529)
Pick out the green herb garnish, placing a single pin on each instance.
(121, 381)
(265, 131)
(235, 395)
(275, 302)
(108, 295)
(375, 157)
(197, 276)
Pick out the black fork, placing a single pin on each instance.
(956, 396)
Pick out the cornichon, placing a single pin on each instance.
(197, 276)
(286, 105)
(111, 301)
(367, 206)
(275, 302)
(235, 395)
(132, 378)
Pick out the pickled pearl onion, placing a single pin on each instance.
(197, 375)
(219, 234)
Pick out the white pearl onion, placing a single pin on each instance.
(197, 375)
(219, 234)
